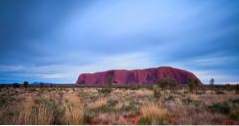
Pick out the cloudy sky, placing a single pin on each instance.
(55, 41)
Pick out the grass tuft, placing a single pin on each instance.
(153, 114)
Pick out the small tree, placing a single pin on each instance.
(156, 91)
(16, 85)
(25, 84)
(41, 85)
(167, 83)
(193, 84)
(228, 86)
(237, 89)
(211, 82)
(109, 80)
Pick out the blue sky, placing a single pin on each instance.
(55, 41)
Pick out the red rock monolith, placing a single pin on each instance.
(136, 77)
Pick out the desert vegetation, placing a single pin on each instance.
(111, 105)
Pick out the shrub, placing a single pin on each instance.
(220, 92)
(144, 121)
(189, 101)
(41, 85)
(228, 87)
(16, 85)
(135, 87)
(221, 108)
(112, 102)
(5, 100)
(156, 91)
(105, 91)
(237, 89)
(131, 106)
(235, 115)
(167, 83)
(230, 108)
(25, 84)
(193, 85)
(99, 103)
(211, 82)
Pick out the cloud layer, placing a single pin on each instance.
(54, 41)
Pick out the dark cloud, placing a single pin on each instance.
(42, 40)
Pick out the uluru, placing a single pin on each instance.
(147, 76)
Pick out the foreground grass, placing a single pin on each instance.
(117, 106)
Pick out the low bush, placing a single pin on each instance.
(222, 108)
(235, 115)
(98, 104)
(156, 91)
(229, 108)
(193, 85)
(237, 89)
(220, 92)
(189, 101)
(105, 91)
(167, 83)
(5, 100)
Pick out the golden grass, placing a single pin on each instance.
(44, 115)
(37, 115)
(99, 103)
(121, 106)
(45, 112)
(153, 113)
(74, 110)
(73, 115)
(194, 97)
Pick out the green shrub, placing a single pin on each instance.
(144, 121)
(237, 89)
(105, 91)
(235, 115)
(16, 85)
(133, 106)
(5, 100)
(219, 92)
(156, 91)
(25, 84)
(229, 108)
(189, 101)
(193, 85)
(112, 102)
(221, 108)
(167, 83)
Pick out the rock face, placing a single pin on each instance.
(136, 77)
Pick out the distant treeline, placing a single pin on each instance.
(18, 85)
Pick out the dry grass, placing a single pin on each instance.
(74, 110)
(39, 115)
(73, 115)
(121, 106)
(143, 92)
(99, 103)
(153, 114)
